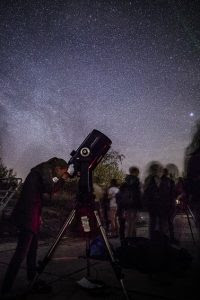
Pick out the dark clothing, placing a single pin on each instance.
(27, 212)
(159, 195)
(122, 222)
(26, 247)
(128, 203)
(133, 184)
(167, 195)
(26, 216)
(151, 194)
(130, 188)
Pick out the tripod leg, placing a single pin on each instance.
(114, 264)
(192, 215)
(190, 225)
(88, 256)
(48, 256)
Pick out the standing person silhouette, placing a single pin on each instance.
(152, 198)
(46, 177)
(168, 201)
(129, 202)
(133, 184)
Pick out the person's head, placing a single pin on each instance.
(172, 170)
(154, 168)
(59, 167)
(134, 171)
(61, 172)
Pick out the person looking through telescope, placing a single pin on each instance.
(47, 177)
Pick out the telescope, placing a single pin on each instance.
(92, 150)
(85, 159)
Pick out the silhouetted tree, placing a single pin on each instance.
(109, 167)
(6, 172)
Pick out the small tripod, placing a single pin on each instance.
(86, 203)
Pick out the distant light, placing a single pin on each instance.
(191, 114)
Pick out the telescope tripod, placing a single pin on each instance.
(188, 212)
(86, 227)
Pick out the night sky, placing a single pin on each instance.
(130, 69)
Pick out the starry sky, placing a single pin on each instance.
(130, 69)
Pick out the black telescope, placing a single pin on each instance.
(92, 150)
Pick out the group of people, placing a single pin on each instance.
(157, 195)
(161, 190)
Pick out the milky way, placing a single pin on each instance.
(127, 68)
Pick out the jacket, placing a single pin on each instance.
(27, 212)
(129, 195)
(159, 196)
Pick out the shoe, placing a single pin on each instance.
(41, 286)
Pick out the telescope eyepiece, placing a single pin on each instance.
(85, 151)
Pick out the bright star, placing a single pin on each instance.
(191, 114)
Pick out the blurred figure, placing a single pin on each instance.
(172, 171)
(152, 198)
(133, 184)
(192, 175)
(129, 202)
(112, 215)
(168, 202)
